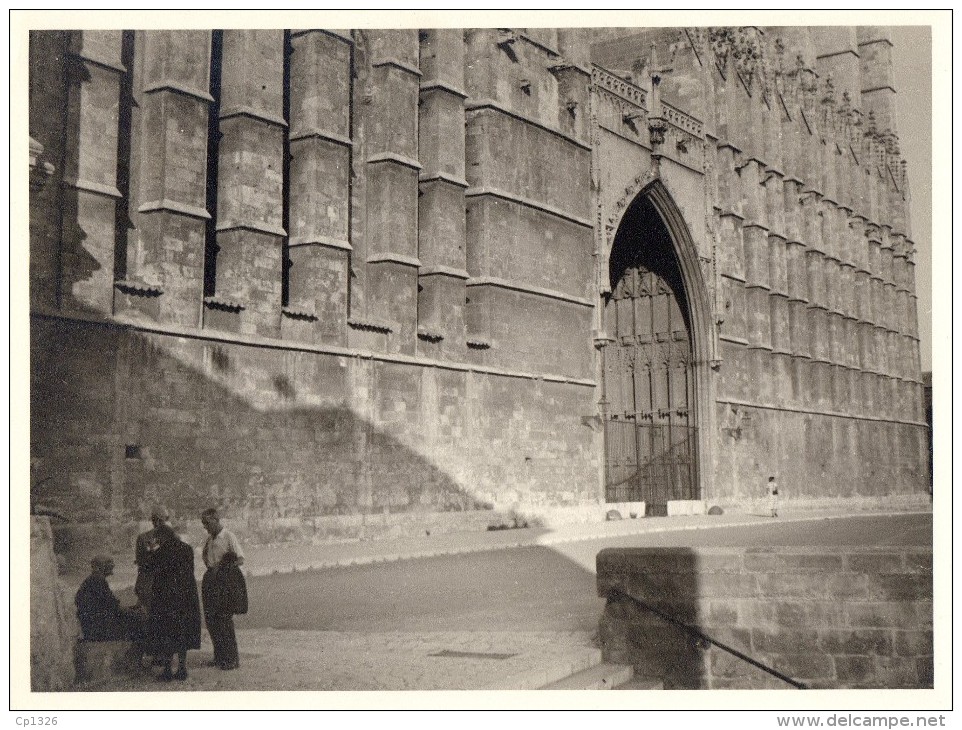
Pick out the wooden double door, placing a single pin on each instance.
(649, 430)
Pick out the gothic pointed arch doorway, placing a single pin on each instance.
(650, 412)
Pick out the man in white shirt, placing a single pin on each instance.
(222, 551)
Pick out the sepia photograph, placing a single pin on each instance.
(382, 365)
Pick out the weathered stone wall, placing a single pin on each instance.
(287, 439)
(311, 273)
(342, 292)
(529, 240)
(53, 624)
(816, 455)
(839, 617)
(799, 210)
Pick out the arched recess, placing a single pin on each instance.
(656, 367)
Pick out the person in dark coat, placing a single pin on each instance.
(99, 612)
(174, 605)
(146, 542)
(160, 515)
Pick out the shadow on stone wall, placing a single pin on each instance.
(120, 423)
(831, 617)
(656, 648)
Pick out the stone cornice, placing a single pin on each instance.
(439, 85)
(393, 258)
(439, 270)
(476, 105)
(299, 313)
(527, 289)
(370, 325)
(528, 203)
(248, 112)
(430, 177)
(223, 303)
(341, 35)
(109, 64)
(253, 226)
(395, 158)
(259, 341)
(138, 288)
(172, 206)
(89, 186)
(398, 64)
(315, 240)
(321, 134)
(176, 87)
(811, 412)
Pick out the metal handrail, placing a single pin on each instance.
(705, 638)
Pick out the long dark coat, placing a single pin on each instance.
(141, 553)
(224, 589)
(174, 621)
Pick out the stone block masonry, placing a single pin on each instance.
(441, 202)
(249, 238)
(290, 441)
(812, 289)
(830, 619)
(166, 129)
(92, 76)
(318, 275)
(319, 185)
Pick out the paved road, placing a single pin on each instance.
(516, 589)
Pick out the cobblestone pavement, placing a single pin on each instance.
(273, 660)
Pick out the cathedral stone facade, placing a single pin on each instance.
(359, 283)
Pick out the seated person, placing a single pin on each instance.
(98, 610)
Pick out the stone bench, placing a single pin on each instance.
(97, 662)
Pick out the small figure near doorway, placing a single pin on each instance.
(773, 496)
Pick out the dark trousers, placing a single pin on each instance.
(221, 630)
(220, 623)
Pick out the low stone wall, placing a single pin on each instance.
(828, 617)
(53, 624)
